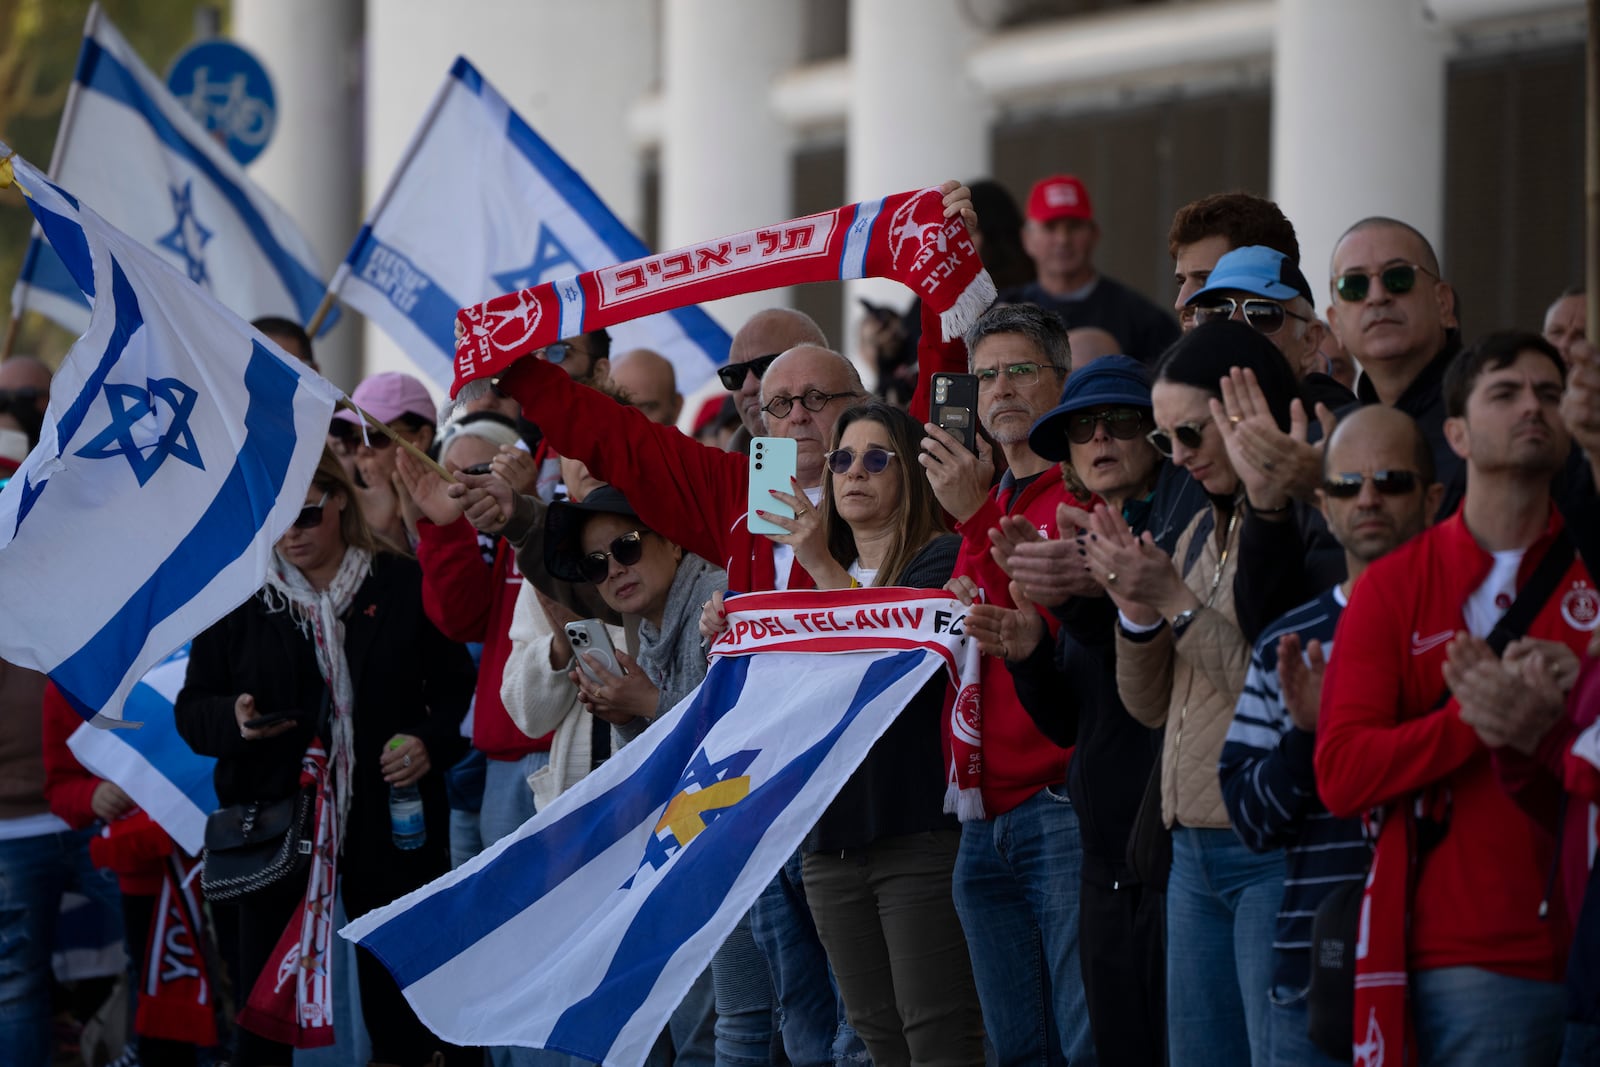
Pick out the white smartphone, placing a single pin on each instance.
(773, 461)
(589, 637)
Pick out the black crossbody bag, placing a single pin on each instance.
(1335, 928)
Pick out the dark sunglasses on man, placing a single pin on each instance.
(1261, 315)
(627, 550)
(1347, 485)
(1122, 423)
(732, 375)
(1397, 280)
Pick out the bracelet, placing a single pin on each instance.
(1281, 510)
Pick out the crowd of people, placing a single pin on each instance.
(1186, 829)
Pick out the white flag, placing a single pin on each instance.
(480, 205)
(130, 148)
(177, 448)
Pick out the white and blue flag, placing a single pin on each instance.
(153, 765)
(177, 447)
(480, 205)
(582, 930)
(130, 148)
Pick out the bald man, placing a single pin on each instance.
(649, 383)
(764, 336)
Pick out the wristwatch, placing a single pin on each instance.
(1181, 621)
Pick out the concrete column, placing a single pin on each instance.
(725, 159)
(311, 49)
(1358, 121)
(916, 117)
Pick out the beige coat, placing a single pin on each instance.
(1191, 686)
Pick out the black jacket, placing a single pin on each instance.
(407, 677)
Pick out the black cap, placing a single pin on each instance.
(563, 526)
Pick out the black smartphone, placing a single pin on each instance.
(261, 722)
(477, 468)
(955, 407)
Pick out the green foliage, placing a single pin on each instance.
(39, 43)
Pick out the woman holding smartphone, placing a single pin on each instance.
(878, 863)
(334, 652)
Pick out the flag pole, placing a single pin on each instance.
(1592, 173)
(11, 338)
(322, 312)
(418, 454)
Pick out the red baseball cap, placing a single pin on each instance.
(1060, 196)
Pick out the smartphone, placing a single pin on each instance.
(955, 407)
(772, 464)
(477, 468)
(589, 637)
(261, 722)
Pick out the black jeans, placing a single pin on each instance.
(1122, 948)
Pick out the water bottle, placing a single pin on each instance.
(405, 814)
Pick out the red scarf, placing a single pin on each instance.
(292, 1000)
(905, 237)
(175, 999)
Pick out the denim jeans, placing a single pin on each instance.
(810, 1013)
(1016, 891)
(690, 1037)
(1222, 907)
(742, 985)
(34, 871)
(1289, 1016)
(1467, 1016)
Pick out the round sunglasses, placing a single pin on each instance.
(1397, 280)
(1347, 485)
(873, 460)
(1122, 423)
(1188, 434)
(310, 516)
(1261, 315)
(626, 549)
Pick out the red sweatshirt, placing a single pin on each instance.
(469, 600)
(1477, 900)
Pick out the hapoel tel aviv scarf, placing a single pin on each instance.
(292, 1000)
(905, 237)
(176, 1001)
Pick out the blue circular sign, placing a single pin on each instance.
(228, 90)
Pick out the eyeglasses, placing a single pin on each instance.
(1122, 423)
(1347, 486)
(558, 351)
(813, 400)
(1188, 434)
(1262, 316)
(732, 375)
(1020, 375)
(1396, 280)
(310, 516)
(627, 550)
(873, 460)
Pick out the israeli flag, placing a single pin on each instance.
(177, 447)
(130, 148)
(480, 206)
(582, 930)
(153, 765)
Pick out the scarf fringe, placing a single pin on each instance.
(965, 804)
(974, 300)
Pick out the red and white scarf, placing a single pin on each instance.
(905, 237)
(292, 1000)
(175, 997)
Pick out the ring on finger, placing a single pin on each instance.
(1111, 577)
(405, 761)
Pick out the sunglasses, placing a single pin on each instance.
(627, 550)
(1262, 316)
(1122, 423)
(558, 351)
(1396, 281)
(873, 460)
(310, 516)
(1348, 485)
(1188, 434)
(732, 375)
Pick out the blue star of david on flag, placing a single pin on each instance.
(131, 405)
(548, 254)
(187, 237)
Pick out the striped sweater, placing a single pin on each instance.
(1269, 785)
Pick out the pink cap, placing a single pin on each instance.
(389, 395)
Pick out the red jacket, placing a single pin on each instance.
(132, 846)
(1478, 897)
(1018, 760)
(469, 600)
